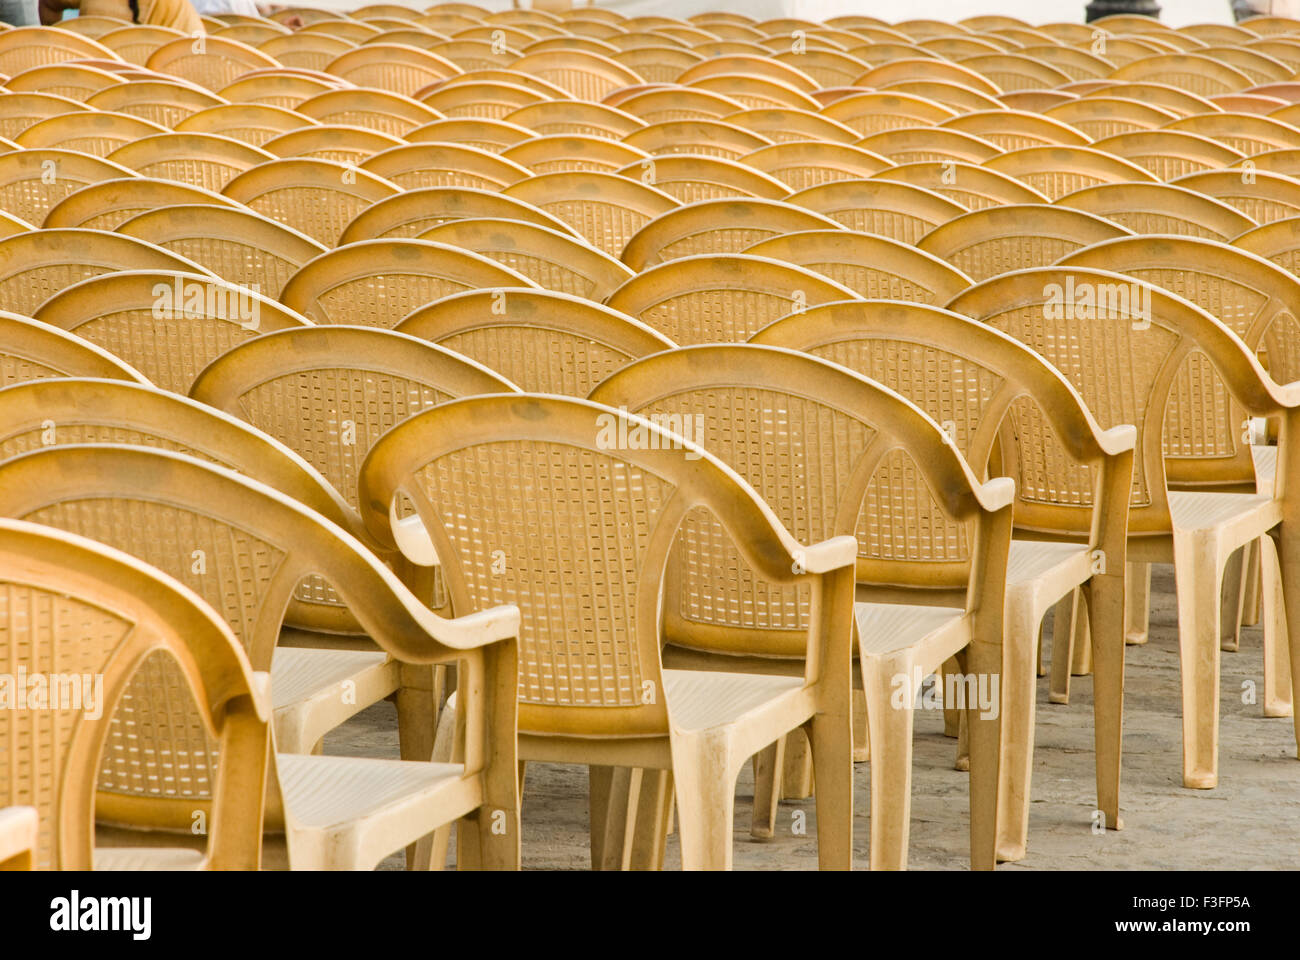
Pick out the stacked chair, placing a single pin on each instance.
(652, 395)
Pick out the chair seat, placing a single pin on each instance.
(1034, 560)
(703, 699)
(313, 691)
(1205, 511)
(148, 858)
(885, 628)
(328, 792)
(298, 673)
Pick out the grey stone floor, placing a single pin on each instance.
(1250, 821)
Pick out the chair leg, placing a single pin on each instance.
(861, 736)
(1138, 604)
(652, 820)
(951, 715)
(1015, 768)
(1062, 647)
(1250, 595)
(1080, 647)
(768, 763)
(1277, 667)
(1196, 569)
(706, 800)
(891, 760)
(1234, 584)
(797, 777)
(1105, 595)
(832, 749)
(430, 852)
(1288, 550)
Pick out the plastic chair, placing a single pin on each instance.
(546, 342)
(211, 62)
(605, 209)
(809, 163)
(679, 103)
(783, 123)
(701, 630)
(554, 260)
(309, 51)
(1157, 93)
(539, 434)
(690, 179)
(379, 110)
(575, 117)
(135, 43)
(872, 113)
(275, 89)
(412, 212)
(494, 100)
(253, 123)
(710, 138)
(1169, 153)
(564, 152)
(487, 134)
(378, 282)
(974, 187)
(338, 812)
(34, 350)
(1160, 208)
(1056, 171)
(1278, 241)
(1015, 129)
(158, 101)
(18, 111)
(1198, 531)
(108, 204)
(317, 197)
(1260, 195)
(721, 298)
(586, 76)
(873, 266)
(1246, 133)
(997, 240)
(394, 67)
(199, 159)
(416, 165)
(728, 225)
(1099, 117)
(34, 180)
(93, 133)
(896, 210)
(166, 323)
(107, 615)
(237, 245)
(1193, 72)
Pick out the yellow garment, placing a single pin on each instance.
(177, 14)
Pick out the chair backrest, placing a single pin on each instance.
(32, 181)
(721, 298)
(605, 209)
(1160, 208)
(136, 42)
(972, 186)
(1104, 117)
(554, 260)
(1121, 342)
(570, 152)
(88, 621)
(318, 197)
(546, 342)
(679, 103)
(96, 133)
(1278, 241)
(35, 266)
(689, 178)
(874, 112)
(717, 226)
(780, 124)
(31, 350)
(1014, 129)
(996, 240)
(494, 135)
(379, 110)
(253, 123)
(18, 111)
(1246, 133)
(563, 499)
(212, 62)
(205, 160)
(236, 244)
(275, 89)
(1260, 195)
(875, 267)
(110, 203)
(1187, 71)
(916, 144)
(575, 117)
(26, 47)
(396, 67)
(586, 76)
(1253, 298)
(833, 453)
(412, 212)
(708, 137)
(160, 101)
(339, 142)
(165, 323)
(897, 210)
(378, 282)
(809, 163)
(1056, 171)
(417, 165)
(494, 100)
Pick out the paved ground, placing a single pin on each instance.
(1251, 821)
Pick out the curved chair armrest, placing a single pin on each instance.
(830, 554)
(1118, 439)
(18, 829)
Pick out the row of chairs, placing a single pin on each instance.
(768, 326)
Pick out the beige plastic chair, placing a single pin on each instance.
(974, 187)
(199, 159)
(1286, 162)
(876, 112)
(416, 165)
(1160, 208)
(1246, 133)
(412, 212)
(1157, 93)
(952, 95)
(721, 298)
(26, 47)
(784, 123)
(755, 92)
(1169, 153)
(897, 210)
(378, 282)
(494, 100)
(755, 66)
(109, 203)
(1278, 241)
(501, 75)
(34, 180)
(567, 152)
(727, 225)
(1016, 129)
(107, 615)
(94, 133)
(32, 350)
(873, 266)
(167, 324)
(158, 101)
(395, 67)
(774, 385)
(586, 76)
(679, 103)
(379, 110)
(554, 260)
(312, 51)
(1193, 72)
(1198, 531)
(575, 117)
(919, 144)
(809, 163)
(77, 81)
(482, 132)
(338, 142)
(343, 27)
(253, 34)
(237, 245)
(997, 240)
(869, 338)
(136, 42)
(690, 179)
(36, 265)
(253, 123)
(472, 54)
(570, 714)
(211, 62)
(1099, 117)
(1260, 195)
(710, 138)
(546, 342)
(1056, 171)
(317, 197)
(18, 111)
(605, 209)
(338, 812)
